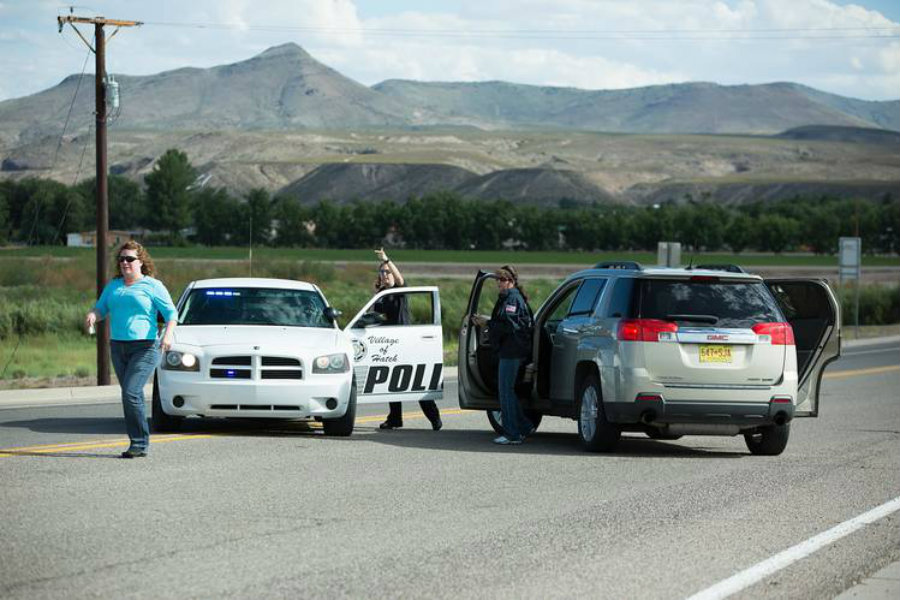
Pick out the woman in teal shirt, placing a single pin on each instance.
(131, 301)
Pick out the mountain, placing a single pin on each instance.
(674, 108)
(284, 88)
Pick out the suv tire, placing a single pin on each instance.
(768, 441)
(343, 426)
(596, 433)
(159, 420)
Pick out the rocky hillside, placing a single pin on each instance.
(285, 88)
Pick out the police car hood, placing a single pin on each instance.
(268, 336)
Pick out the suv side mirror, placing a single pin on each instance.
(332, 314)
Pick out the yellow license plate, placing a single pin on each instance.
(715, 354)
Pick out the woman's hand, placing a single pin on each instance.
(381, 255)
(166, 343)
(90, 320)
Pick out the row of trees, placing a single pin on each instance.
(36, 211)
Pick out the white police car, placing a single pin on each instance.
(271, 348)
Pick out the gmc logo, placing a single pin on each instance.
(717, 337)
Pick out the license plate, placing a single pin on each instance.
(715, 354)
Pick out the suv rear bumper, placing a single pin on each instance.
(660, 412)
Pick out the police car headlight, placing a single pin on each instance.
(331, 363)
(180, 361)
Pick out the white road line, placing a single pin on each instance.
(760, 571)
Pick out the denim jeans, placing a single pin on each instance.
(515, 423)
(134, 363)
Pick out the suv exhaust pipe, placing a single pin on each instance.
(648, 416)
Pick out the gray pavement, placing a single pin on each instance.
(236, 510)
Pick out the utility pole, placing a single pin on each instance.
(99, 50)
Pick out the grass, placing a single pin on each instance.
(47, 357)
(263, 254)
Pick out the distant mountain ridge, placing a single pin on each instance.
(284, 88)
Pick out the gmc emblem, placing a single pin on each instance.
(716, 337)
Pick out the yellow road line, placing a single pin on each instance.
(860, 372)
(97, 444)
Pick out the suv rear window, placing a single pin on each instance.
(734, 304)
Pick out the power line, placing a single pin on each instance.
(690, 34)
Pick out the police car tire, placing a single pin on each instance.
(598, 434)
(343, 426)
(162, 423)
(768, 441)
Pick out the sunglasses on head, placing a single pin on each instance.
(128, 259)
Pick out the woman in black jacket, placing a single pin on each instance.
(510, 334)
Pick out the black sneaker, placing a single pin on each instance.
(133, 454)
(390, 425)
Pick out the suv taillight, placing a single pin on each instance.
(781, 334)
(644, 330)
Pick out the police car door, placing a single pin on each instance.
(399, 363)
(810, 307)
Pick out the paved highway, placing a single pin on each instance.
(243, 510)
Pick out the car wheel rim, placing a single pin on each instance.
(588, 413)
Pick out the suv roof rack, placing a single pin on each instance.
(629, 265)
(722, 267)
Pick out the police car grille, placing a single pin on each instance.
(280, 361)
(241, 361)
(282, 374)
(256, 407)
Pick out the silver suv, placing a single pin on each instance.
(668, 352)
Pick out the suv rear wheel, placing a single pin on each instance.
(768, 441)
(596, 433)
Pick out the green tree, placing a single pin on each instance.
(169, 193)
(4, 217)
(739, 233)
(293, 223)
(51, 210)
(255, 219)
(127, 206)
(216, 216)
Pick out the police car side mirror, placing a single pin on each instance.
(332, 314)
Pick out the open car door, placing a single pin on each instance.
(810, 307)
(477, 362)
(396, 362)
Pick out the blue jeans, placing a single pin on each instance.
(134, 363)
(515, 423)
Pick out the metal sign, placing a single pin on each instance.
(849, 257)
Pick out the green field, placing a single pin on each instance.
(452, 256)
(45, 292)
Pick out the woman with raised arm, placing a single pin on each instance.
(395, 309)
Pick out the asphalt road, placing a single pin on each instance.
(243, 510)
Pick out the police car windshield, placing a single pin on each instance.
(724, 304)
(254, 306)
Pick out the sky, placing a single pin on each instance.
(838, 46)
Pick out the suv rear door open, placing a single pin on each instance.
(814, 314)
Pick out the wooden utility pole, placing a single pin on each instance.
(99, 50)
